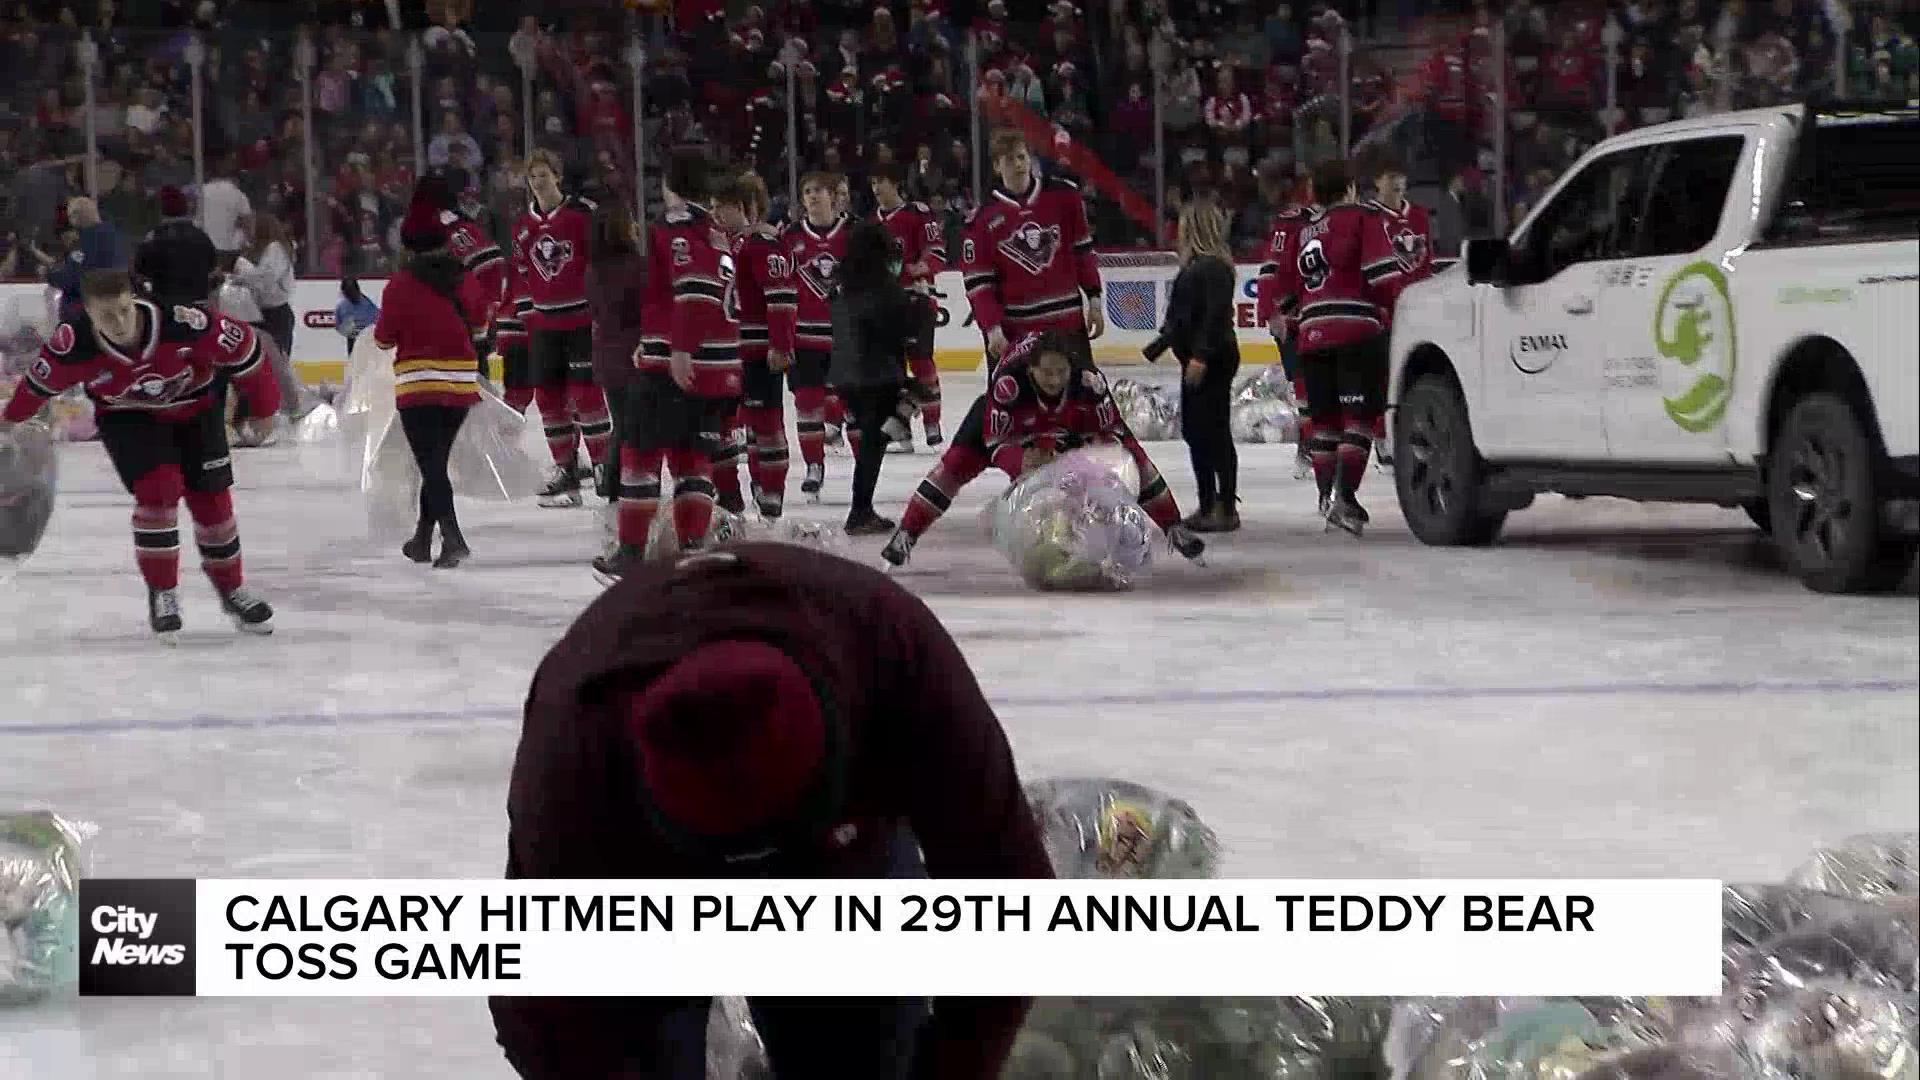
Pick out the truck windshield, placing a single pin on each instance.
(1857, 178)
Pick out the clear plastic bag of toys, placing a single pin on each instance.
(1152, 412)
(42, 859)
(1076, 523)
(29, 483)
(1864, 867)
(1106, 828)
(734, 1048)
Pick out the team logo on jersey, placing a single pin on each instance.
(551, 255)
(1410, 248)
(682, 251)
(62, 341)
(155, 389)
(1005, 389)
(818, 273)
(1032, 245)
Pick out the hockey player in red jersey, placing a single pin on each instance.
(1342, 275)
(689, 364)
(923, 253)
(763, 286)
(550, 256)
(1045, 408)
(156, 376)
(1411, 233)
(1271, 310)
(1027, 256)
(510, 341)
(1029, 416)
(815, 244)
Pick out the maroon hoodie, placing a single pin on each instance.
(615, 287)
(918, 747)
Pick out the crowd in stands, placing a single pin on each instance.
(1252, 96)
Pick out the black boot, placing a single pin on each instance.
(1346, 514)
(420, 548)
(453, 546)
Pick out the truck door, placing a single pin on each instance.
(1670, 355)
(1543, 336)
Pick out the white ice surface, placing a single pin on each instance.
(1614, 690)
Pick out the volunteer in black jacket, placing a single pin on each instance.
(875, 323)
(1200, 333)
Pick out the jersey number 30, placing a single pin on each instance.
(1313, 265)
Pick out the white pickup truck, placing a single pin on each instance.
(1719, 310)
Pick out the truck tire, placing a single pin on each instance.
(1822, 486)
(1437, 471)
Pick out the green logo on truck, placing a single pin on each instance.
(1693, 324)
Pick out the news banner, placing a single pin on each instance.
(420, 938)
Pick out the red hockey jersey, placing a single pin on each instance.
(1343, 274)
(1268, 301)
(813, 257)
(922, 242)
(550, 253)
(1410, 231)
(1020, 418)
(171, 374)
(1028, 257)
(764, 285)
(691, 302)
(479, 256)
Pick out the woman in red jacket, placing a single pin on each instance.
(428, 315)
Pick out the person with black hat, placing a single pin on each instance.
(177, 260)
(428, 315)
(764, 711)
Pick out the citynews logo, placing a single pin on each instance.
(136, 937)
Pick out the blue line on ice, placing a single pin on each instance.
(1014, 703)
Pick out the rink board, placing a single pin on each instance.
(1135, 302)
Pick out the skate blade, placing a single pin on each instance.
(561, 504)
(169, 638)
(606, 580)
(257, 629)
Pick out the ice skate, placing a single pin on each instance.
(899, 549)
(1346, 514)
(934, 437)
(563, 490)
(900, 446)
(835, 437)
(1190, 546)
(610, 568)
(898, 432)
(1302, 462)
(769, 503)
(816, 479)
(249, 613)
(868, 524)
(163, 613)
(453, 546)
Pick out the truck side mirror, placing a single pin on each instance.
(1487, 261)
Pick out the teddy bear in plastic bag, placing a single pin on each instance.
(42, 858)
(1076, 523)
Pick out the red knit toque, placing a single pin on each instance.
(173, 202)
(422, 229)
(731, 737)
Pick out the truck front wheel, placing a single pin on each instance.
(1437, 471)
(1822, 486)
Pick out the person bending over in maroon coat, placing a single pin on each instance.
(767, 711)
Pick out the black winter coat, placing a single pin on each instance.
(1200, 315)
(873, 334)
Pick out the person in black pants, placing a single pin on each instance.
(1200, 333)
(875, 326)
